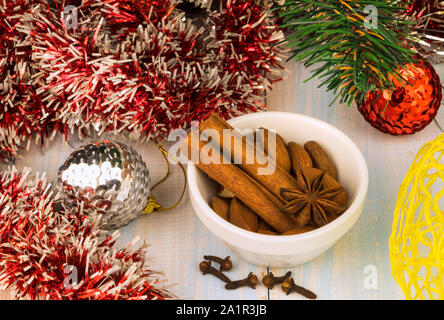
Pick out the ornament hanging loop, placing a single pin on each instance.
(153, 205)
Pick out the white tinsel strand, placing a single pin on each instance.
(135, 68)
(39, 244)
(20, 109)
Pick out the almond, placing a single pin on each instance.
(221, 207)
(320, 158)
(299, 230)
(242, 216)
(281, 153)
(299, 157)
(265, 228)
(268, 232)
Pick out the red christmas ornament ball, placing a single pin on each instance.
(410, 105)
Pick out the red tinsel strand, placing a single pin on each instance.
(21, 115)
(427, 24)
(248, 48)
(430, 14)
(134, 12)
(119, 81)
(247, 38)
(39, 245)
(143, 68)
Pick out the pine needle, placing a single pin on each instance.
(353, 58)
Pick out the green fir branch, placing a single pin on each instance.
(353, 59)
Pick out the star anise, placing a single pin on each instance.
(311, 200)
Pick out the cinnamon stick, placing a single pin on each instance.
(242, 216)
(280, 153)
(221, 207)
(273, 181)
(277, 201)
(264, 228)
(233, 178)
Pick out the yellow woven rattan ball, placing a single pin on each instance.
(417, 240)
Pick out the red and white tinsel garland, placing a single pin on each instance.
(139, 67)
(47, 252)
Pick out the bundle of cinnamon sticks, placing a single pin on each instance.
(251, 194)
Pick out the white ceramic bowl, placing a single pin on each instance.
(266, 250)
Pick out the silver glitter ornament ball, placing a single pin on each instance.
(109, 177)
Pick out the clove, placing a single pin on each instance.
(270, 280)
(225, 264)
(289, 286)
(250, 281)
(206, 268)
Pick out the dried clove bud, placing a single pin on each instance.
(206, 268)
(289, 286)
(270, 280)
(225, 264)
(250, 281)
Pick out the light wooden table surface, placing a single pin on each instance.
(179, 240)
